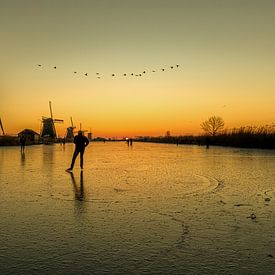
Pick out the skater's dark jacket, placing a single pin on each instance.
(80, 142)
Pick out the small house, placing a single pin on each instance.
(30, 135)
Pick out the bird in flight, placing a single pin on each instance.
(125, 74)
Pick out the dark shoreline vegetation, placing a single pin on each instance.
(245, 137)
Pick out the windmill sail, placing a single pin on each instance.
(2, 128)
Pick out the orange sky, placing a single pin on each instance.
(225, 50)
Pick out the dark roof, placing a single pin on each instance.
(28, 131)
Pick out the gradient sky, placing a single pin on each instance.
(226, 52)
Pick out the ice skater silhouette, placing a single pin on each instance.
(80, 142)
(22, 143)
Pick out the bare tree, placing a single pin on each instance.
(213, 125)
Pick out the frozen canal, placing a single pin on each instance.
(152, 208)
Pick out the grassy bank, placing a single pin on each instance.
(244, 137)
(9, 141)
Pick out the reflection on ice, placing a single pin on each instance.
(79, 193)
(78, 190)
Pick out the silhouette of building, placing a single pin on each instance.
(30, 135)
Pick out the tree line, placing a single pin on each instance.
(214, 133)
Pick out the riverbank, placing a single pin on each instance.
(9, 140)
(245, 137)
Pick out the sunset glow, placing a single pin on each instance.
(225, 52)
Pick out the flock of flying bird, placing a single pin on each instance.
(98, 75)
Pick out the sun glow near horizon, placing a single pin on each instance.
(225, 53)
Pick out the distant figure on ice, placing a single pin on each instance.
(80, 142)
(207, 141)
(23, 143)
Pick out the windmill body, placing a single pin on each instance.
(48, 131)
(48, 128)
(70, 132)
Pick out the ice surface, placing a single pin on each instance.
(152, 208)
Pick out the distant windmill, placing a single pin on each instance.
(90, 134)
(48, 127)
(80, 128)
(70, 131)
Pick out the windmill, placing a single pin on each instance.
(48, 127)
(80, 128)
(90, 135)
(70, 131)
